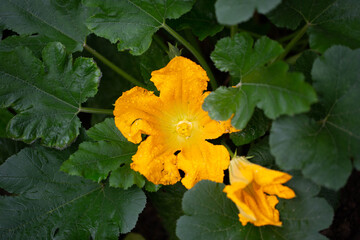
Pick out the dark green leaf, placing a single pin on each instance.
(106, 131)
(167, 202)
(35, 43)
(304, 64)
(53, 205)
(54, 20)
(211, 215)
(5, 117)
(133, 22)
(271, 89)
(94, 160)
(111, 153)
(239, 55)
(231, 12)
(46, 95)
(322, 147)
(260, 154)
(201, 20)
(332, 21)
(257, 127)
(9, 147)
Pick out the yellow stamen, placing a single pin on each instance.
(183, 128)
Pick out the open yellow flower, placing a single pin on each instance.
(177, 127)
(253, 188)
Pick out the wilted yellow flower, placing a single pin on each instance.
(253, 188)
(177, 127)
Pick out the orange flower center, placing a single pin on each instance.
(184, 128)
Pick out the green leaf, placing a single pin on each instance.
(201, 20)
(260, 154)
(5, 117)
(9, 147)
(167, 202)
(106, 131)
(304, 64)
(211, 215)
(52, 205)
(323, 144)
(257, 127)
(132, 23)
(110, 153)
(54, 20)
(46, 94)
(331, 22)
(36, 43)
(94, 160)
(271, 89)
(231, 12)
(239, 55)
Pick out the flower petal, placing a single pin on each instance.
(203, 161)
(136, 113)
(180, 81)
(279, 190)
(156, 161)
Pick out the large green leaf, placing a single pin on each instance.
(331, 21)
(46, 94)
(239, 55)
(54, 20)
(209, 214)
(110, 153)
(201, 20)
(52, 205)
(272, 89)
(231, 12)
(132, 23)
(323, 145)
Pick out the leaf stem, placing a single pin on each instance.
(96, 110)
(111, 65)
(293, 41)
(228, 148)
(198, 56)
(233, 30)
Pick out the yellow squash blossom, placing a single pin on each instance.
(177, 127)
(253, 188)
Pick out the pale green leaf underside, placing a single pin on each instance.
(54, 20)
(332, 21)
(132, 23)
(231, 12)
(46, 94)
(322, 146)
(51, 204)
(209, 214)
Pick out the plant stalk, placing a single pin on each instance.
(111, 65)
(96, 110)
(198, 56)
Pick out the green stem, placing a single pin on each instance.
(96, 110)
(228, 148)
(198, 56)
(293, 42)
(114, 67)
(254, 35)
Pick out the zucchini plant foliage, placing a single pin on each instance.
(284, 72)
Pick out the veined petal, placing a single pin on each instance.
(203, 161)
(181, 80)
(136, 113)
(279, 190)
(156, 161)
(265, 176)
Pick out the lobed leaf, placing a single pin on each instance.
(47, 95)
(331, 21)
(132, 23)
(231, 12)
(53, 20)
(323, 144)
(209, 214)
(50, 204)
